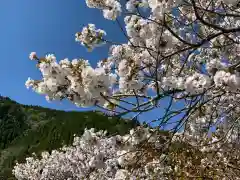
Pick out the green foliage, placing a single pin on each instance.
(12, 123)
(28, 129)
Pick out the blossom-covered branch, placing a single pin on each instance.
(177, 52)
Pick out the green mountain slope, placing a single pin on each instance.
(27, 129)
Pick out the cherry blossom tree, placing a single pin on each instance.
(142, 154)
(179, 51)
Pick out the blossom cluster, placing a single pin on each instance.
(90, 36)
(140, 154)
(111, 8)
(75, 80)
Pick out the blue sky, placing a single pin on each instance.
(44, 26)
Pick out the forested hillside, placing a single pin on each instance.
(27, 129)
